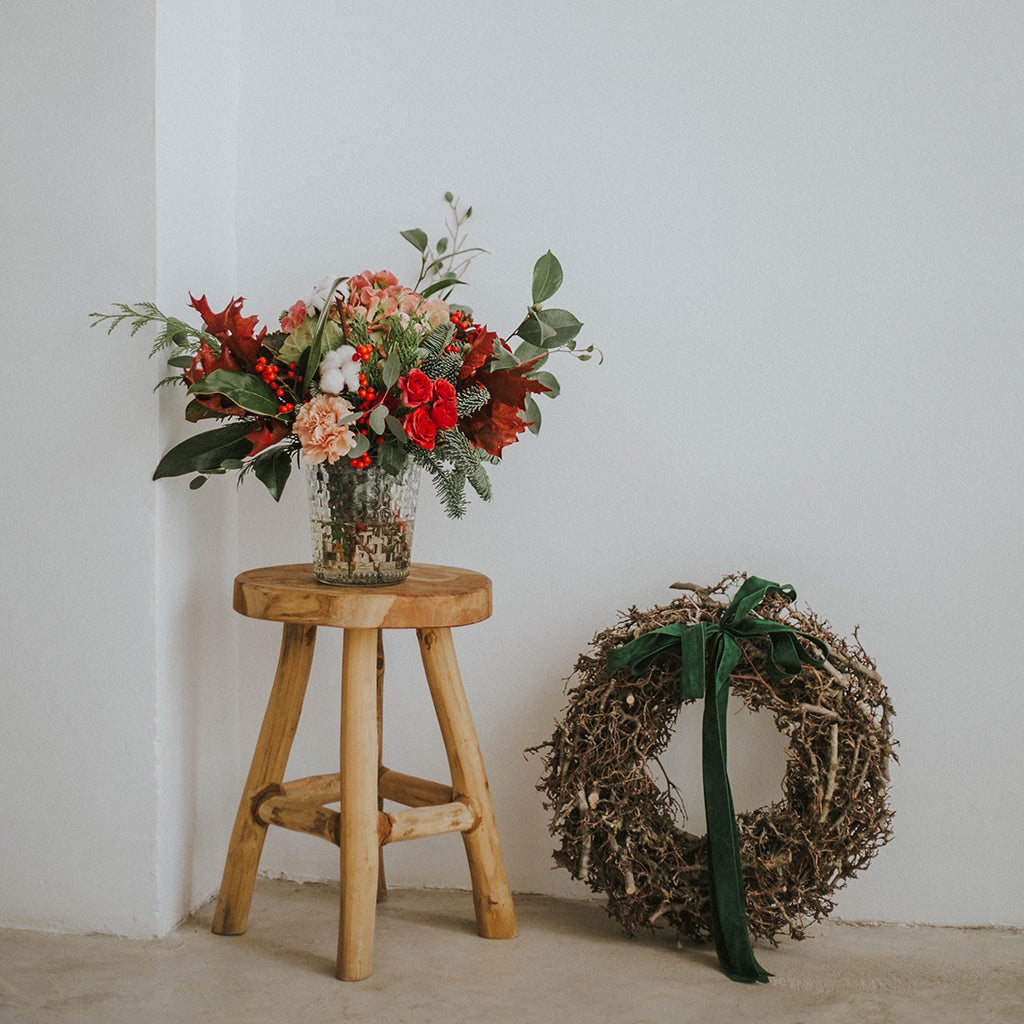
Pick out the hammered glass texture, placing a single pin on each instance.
(361, 522)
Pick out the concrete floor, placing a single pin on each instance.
(570, 963)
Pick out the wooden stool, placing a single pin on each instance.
(432, 600)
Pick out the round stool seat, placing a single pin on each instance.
(431, 596)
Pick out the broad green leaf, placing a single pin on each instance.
(549, 328)
(547, 277)
(196, 482)
(361, 447)
(378, 415)
(531, 415)
(545, 378)
(196, 411)
(272, 469)
(245, 390)
(442, 245)
(205, 452)
(392, 458)
(527, 351)
(416, 237)
(181, 362)
(534, 331)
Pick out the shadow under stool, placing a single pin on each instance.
(432, 600)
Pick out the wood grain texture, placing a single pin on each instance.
(432, 595)
(269, 761)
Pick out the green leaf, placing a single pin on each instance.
(272, 469)
(394, 424)
(361, 447)
(196, 482)
(448, 197)
(391, 369)
(527, 351)
(552, 385)
(416, 237)
(245, 390)
(205, 452)
(377, 418)
(392, 458)
(531, 415)
(547, 277)
(442, 244)
(440, 284)
(181, 362)
(549, 328)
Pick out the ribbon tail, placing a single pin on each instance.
(725, 871)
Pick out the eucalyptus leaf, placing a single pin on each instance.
(394, 424)
(547, 277)
(245, 390)
(361, 447)
(205, 452)
(442, 245)
(378, 416)
(391, 369)
(416, 237)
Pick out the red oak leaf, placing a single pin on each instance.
(480, 352)
(263, 437)
(498, 423)
(232, 330)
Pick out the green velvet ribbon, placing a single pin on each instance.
(710, 652)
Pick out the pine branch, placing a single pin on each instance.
(470, 399)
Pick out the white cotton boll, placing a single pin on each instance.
(339, 370)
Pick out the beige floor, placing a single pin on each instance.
(569, 964)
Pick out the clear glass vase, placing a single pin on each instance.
(361, 522)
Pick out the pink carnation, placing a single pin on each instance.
(320, 430)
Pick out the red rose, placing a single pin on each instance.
(420, 428)
(444, 409)
(416, 388)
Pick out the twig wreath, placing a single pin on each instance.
(622, 832)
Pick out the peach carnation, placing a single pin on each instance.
(323, 435)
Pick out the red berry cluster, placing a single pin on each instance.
(368, 399)
(270, 372)
(463, 326)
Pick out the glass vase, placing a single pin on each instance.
(361, 522)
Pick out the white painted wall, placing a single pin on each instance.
(78, 731)
(795, 232)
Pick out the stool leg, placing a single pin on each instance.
(268, 766)
(495, 916)
(382, 884)
(360, 840)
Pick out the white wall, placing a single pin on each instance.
(794, 232)
(78, 731)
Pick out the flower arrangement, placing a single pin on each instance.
(364, 370)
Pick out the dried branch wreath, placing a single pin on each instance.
(620, 831)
